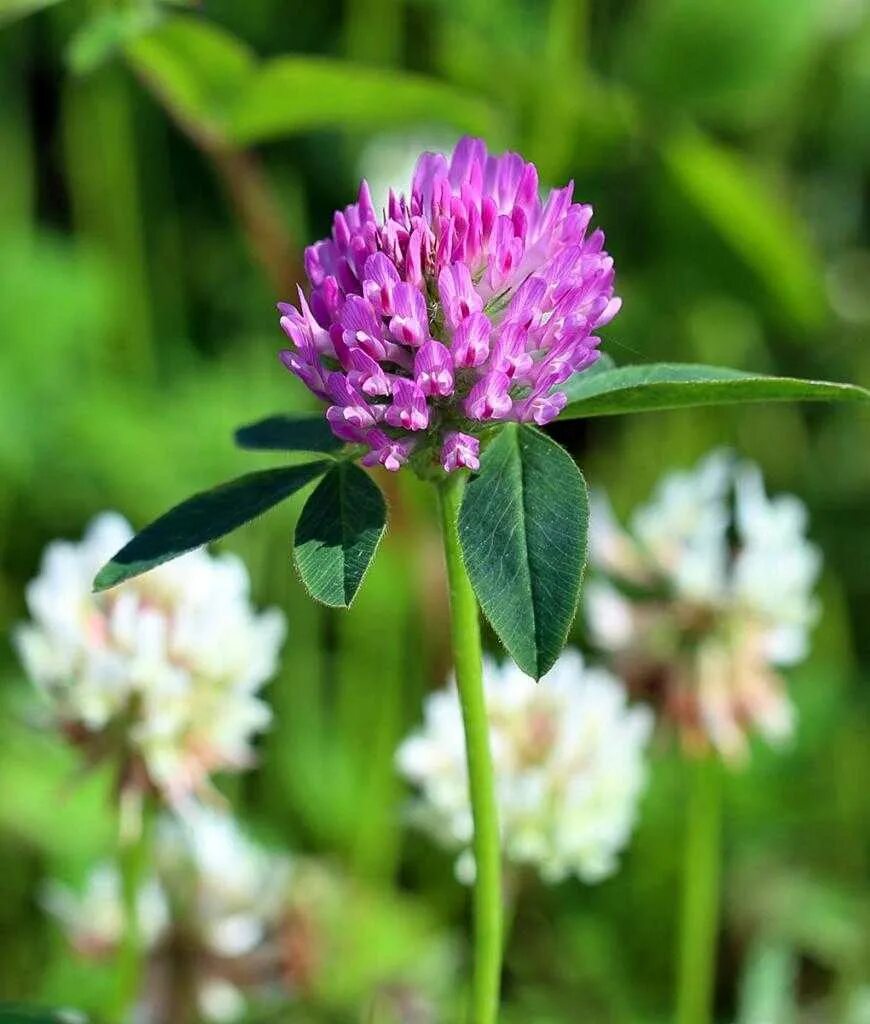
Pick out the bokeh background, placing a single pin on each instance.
(162, 167)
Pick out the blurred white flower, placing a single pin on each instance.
(213, 886)
(177, 656)
(569, 764)
(709, 589)
(233, 895)
(684, 529)
(231, 926)
(220, 1000)
(93, 918)
(236, 890)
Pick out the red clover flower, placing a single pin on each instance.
(470, 302)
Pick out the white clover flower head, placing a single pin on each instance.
(708, 590)
(569, 761)
(92, 917)
(212, 884)
(683, 530)
(776, 568)
(178, 654)
(220, 1001)
(239, 888)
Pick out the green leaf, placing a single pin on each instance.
(10, 10)
(205, 517)
(293, 94)
(678, 385)
(753, 219)
(289, 434)
(523, 526)
(213, 85)
(107, 32)
(195, 69)
(18, 1013)
(338, 532)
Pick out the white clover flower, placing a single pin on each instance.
(177, 654)
(234, 897)
(212, 885)
(776, 568)
(93, 918)
(239, 889)
(569, 762)
(239, 926)
(684, 529)
(708, 590)
(220, 1000)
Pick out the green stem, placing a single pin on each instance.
(133, 853)
(700, 907)
(468, 664)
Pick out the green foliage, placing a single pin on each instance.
(734, 61)
(101, 38)
(17, 1013)
(211, 81)
(523, 526)
(289, 434)
(752, 218)
(293, 94)
(376, 936)
(10, 10)
(45, 770)
(724, 147)
(40, 344)
(850, 125)
(679, 385)
(338, 533)
(196, 69)
(205, 517)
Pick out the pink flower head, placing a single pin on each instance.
(468, 300)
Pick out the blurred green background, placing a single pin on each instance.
(162, 167)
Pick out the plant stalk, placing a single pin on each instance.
(700, 898)
(133, 854)
(468, 663)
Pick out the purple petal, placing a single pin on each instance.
(433, 369)
(460, 450)
(489, 398)
(470, 345)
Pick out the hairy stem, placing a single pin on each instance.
(465, 632)
(700, 906)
